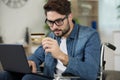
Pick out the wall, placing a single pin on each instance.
(108, 23)
(14, 21)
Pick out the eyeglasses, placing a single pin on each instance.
(58, 22)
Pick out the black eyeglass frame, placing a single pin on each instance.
(57, 21)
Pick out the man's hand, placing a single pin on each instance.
(32, 65)
(51, 45)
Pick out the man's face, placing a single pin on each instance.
(58, 23)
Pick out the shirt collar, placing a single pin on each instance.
(74, 31)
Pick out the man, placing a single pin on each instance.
(69, 49)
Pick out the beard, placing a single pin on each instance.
(60, 32)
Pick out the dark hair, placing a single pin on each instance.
(63, 7)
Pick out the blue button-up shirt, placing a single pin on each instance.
(83, 46)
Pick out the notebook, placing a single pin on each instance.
(13, 58)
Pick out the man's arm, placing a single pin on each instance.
(87, 68)
(38, 57)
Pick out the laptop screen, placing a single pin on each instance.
(13, 58)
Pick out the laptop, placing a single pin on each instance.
(13, 58)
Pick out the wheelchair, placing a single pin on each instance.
(102, 61)
(102, 64)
